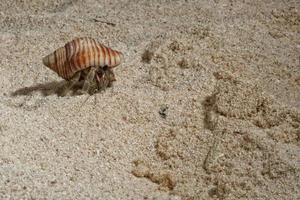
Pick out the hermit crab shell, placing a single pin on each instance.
(80, 54)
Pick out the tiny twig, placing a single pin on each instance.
(105, 22)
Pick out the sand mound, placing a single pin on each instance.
(247, 125)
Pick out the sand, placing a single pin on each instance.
(206, 104)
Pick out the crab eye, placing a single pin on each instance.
(105, 67)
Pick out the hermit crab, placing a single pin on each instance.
(84, 59)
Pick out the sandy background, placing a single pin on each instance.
(205, 106)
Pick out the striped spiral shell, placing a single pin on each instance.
(80, 54)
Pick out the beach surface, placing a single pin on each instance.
(206, 104)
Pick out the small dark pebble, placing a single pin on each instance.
(162, 111)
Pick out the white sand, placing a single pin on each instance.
(205, 106)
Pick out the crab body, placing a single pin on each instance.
(84, 59)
